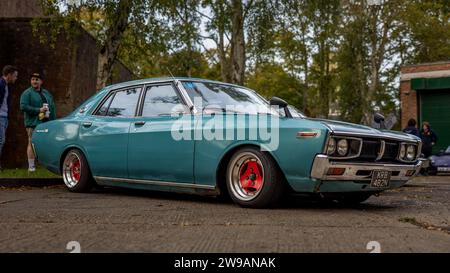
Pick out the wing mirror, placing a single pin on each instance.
(379, 118)
(282, 104)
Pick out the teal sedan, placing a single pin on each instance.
(212, 138)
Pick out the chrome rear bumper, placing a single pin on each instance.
(360, 171)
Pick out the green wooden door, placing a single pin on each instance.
(435, 108)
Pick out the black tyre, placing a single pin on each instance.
(353, 199)
(253, 179)
(76, 173)
(431, 171)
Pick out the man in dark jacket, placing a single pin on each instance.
(38, 106)
(411, 128)
(429, 139)
(9, 76)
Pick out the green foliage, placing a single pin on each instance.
(24, 173)
(338, 56)
(429, 30)
(271, 79)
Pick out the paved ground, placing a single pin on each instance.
(415, 218)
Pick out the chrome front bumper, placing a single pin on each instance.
(360, 171)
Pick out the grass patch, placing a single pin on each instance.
(23, 173)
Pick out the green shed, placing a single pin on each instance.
(433, 96)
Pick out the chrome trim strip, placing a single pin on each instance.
(156, 183)
(322, 164)
(419, 150)
(327, 139)
(382, 150)
(375, 136)
(187, 99)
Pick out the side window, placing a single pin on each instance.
(161, 100)
(124, 103)
(104, 108)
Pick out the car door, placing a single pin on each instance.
(156, 151)
(104, 134)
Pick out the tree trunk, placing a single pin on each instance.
(237, 43)
(108, 52)
(224, 64)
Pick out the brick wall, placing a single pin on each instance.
(427, 67)
(20, 8)
(70, 71)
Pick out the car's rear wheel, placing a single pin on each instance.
(76, 173)
(253, 179)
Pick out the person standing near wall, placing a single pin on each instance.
(9, 76)
(429, 139)
(38, 106)
(411, 128)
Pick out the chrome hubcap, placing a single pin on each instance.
(246, 176)
(72, 170)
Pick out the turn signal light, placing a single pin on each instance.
(410, 173)
(336, 171)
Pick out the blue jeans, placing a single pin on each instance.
(3, 126)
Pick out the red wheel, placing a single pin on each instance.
(253, 179)
(76, 173)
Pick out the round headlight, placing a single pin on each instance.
(410, 152)
(331, 146)
(342, 147)
(402, 151)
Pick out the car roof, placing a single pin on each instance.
(164, 79)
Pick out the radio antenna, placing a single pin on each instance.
(170, 73)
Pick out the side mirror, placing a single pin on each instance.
(282, 104)
(379, 118)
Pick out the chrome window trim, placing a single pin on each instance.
(344, 137)
(144, 92)
(112, 92)
(184, 94)
(195, 110)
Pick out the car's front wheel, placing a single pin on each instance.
(253, 179)
(76, 173)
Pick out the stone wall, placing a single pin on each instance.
(70, 70)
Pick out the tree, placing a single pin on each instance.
(109, 21)
(271, 79)
(294, 41)
(428, 31)
(324, 24)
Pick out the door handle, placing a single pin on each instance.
(139, 123)
(87, 124)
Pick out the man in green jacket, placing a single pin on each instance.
(38, 106)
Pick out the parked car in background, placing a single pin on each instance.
(440, 163)
(124, 137)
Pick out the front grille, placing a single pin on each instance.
(391, 150)
(371, 148)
